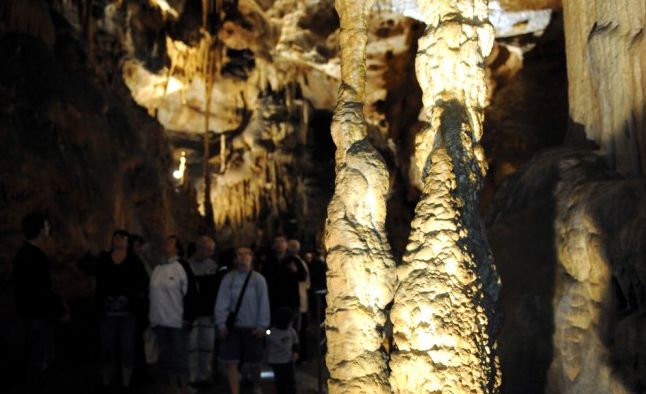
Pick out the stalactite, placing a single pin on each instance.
(223, 153)
(361, 266)
(443, 308)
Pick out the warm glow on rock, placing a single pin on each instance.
(441, 330)
(165, 8)
(179, 172)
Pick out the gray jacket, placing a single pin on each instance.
(254, 310)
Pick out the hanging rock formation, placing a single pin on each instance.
(606, 79)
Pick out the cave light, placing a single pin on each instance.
(165, 8)
(174, 85)
(181, 170)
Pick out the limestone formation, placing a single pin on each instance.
(605, 59)
(564, 232)
(361, 268)
(447, 287)
(581, 362)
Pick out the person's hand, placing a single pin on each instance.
(223, 332)
(292, 267)
(258, 332)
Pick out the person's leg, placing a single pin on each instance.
(303, 337)
(39, 339)
(233, 376)
(251, 355)
(290, 384)
(128, 331)
(179, 338)
(296, 322)
(38, 343)
(194, 352)
(108, 327)
(140, 371)
(164, 343)
(206, 343)
(230, 348)
(279, 377)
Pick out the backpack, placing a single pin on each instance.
(191, 298)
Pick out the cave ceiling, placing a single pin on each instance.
(266, 46)
(265, 69)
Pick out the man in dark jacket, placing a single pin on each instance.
(283, 274)
(36, 303)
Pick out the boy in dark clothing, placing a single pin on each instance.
(36, 303)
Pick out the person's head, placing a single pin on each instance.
(204, 248)
(35, 225)
(283, 318)
(319, 254)
(293, 246)
(244, 258)
(173, 246)
(260, 233)
(280, 244)
(308, 257)
(136, 243)
(119, 240)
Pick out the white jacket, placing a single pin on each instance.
(168, 285)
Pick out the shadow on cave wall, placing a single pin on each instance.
(521, 234)
(593, 205)
(619, 211)
(527, 115)
(78, 147)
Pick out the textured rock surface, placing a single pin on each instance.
(605, 51)
(86, 153)
(444, 305)
(360, 265)
(563, 232)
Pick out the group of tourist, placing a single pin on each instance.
(257, 306)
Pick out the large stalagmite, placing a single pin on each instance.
(447, 284)
(361, 268)
(606, 52)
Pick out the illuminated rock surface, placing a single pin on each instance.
(97, 161)
(574, 288)
(360, 264)
(606, 51)
(443, 308)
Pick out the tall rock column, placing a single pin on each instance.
(606, 66)
(361, 275)
(443, 309)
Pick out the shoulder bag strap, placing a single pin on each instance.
(244, 287)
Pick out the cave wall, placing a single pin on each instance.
(563, 232)
(75, 145)
(606, 52)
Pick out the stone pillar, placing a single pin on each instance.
(582, 362)
(606, 65)
(447, 290)
(361, 275)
